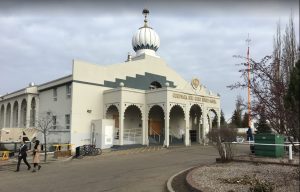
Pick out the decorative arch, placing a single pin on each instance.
(196, 128)
(177, 124)
(133, 125)
(112, 112)
(15, 114)
(8, 115)
(2, 111)
(23, 113)
(156, 124)
(32, 112)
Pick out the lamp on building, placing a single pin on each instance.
(89, 111)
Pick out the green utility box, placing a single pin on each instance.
(269, 150)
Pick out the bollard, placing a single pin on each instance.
(290, 152)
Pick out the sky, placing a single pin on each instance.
(40, 39)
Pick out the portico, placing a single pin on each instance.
(163, 116)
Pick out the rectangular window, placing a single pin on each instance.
(55, 94)
(69, 90)
(67, 118)
(54, 121)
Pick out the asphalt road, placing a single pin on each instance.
(140, 172)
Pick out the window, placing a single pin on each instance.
(54, 121)
(155, 85)
(67, 118)
(55, 94)
(69, 90)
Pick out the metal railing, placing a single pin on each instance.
(132, 134)
(155, 133)
(287, 144)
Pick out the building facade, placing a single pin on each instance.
(149, 102)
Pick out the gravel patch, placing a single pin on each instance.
(211, 178)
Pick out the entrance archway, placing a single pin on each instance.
(23, 113)
(2, 117)
(177, 125)
(133, 128)
(156, 125)
(194, 121)
(113, 113)
(8, 115)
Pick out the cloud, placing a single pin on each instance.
(39, 40)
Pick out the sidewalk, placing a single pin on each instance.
(12, 161)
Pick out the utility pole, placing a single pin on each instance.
(249, 96)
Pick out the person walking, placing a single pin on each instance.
(22, 155)
(36, 156)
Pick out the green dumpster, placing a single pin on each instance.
(269, 150)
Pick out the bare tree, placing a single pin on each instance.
(269, 81)
(44, 124)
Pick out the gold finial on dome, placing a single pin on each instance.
(145, 13)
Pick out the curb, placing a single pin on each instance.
(169, 182)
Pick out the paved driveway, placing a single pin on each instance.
(145, 171)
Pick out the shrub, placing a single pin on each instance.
(222, 139)
(262, 186)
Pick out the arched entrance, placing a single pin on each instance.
(177, 125)
(32, 112)
(133, 128)
(156, 125)
(113, 113)
(23, 113)
(15, 114)
(196, 129)
(212, 119)
(2, 117)
(8, 115)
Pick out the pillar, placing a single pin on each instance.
(204, 125)
(4, 120)
(187, 128)
(11, 115)
(145, 128)
(28, 107)
(19, 114)
(167, 121)
(121, 124)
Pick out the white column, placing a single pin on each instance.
(37, 107)
(11, 115)
(167, 121)
(19, 114)
(121, 124)
(4, 120)
(204, 124)
(145, 127)
(187, 128)
(28, 106)
(144, 141)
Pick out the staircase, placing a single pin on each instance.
(155, 138)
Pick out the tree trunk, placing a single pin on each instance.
(45, 147)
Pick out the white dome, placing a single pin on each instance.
(145, 38)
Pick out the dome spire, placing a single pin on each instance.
(145, 40)
(145, 13)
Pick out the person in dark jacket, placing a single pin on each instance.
(22, 155)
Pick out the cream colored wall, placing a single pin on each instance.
(59, 108)
(85, 97)
(97, 74)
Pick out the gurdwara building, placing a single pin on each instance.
(139, 101)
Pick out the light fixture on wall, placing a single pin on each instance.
(89, 111)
